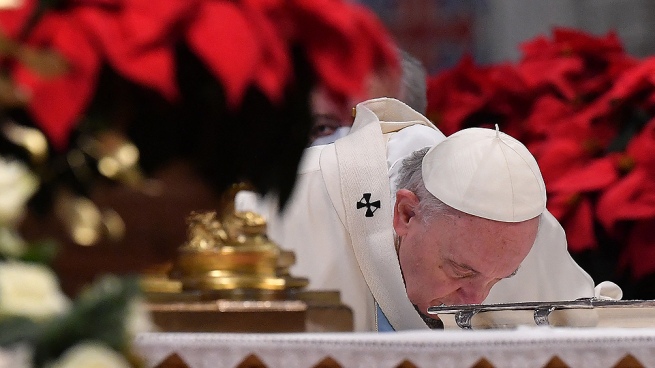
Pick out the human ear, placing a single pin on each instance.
(404, 210)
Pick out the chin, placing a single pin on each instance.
(423, 307)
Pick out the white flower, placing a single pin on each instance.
(10, 4)
(17, 356)
(11, 243)
(30, 290)
(138, 318)
(17, 185)
(90, 354)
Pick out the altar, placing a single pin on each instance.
(521, 347)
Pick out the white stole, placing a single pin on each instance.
(372, 237)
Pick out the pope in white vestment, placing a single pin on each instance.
(339, 223)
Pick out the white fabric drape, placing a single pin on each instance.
(523, 347)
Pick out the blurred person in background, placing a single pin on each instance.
(332, 121)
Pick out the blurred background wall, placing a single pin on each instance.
(439, 32)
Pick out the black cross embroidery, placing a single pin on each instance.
(371, 207)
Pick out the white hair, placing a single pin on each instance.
(410, 177)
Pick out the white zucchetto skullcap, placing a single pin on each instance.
(485, 173)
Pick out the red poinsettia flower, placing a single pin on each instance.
(136, 38)
(550, 117)
(57, 101)
(575, 213)
(572, 175)
(334, 34)
(633, 83)
(569, 199)
(456, 94)
(257, 51)
(639, 249)
(633, 198)
(13, 19)
(556, 73)
(242, 43)
(575, 64)
(469, 95)
(627, 91)
(579, 104)
(509, 101)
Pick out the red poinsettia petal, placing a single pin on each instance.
(224, 39)
(639, 252)
(579, 228)
(340, 56)
(507, 80)
(632, 198)
(345, 43)
(633, 80)
(560, 204)
(574, 212)
(642, 148)
(147, 24)
(557, 157)
(269, 21)
(577, 41)
(538, 48)
(557, 73)
(456, 94)
(594, 111)
(593, 176)
(149, 65)
(57, 103)
(332, 14)
(547, 112)
(650, 99)
(576, 64)
(12, 20)
(116, 4)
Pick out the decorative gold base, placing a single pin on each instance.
(214, 285)
(310, 311)
(159, 283)
(230, 316)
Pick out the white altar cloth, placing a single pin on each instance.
(522, 347)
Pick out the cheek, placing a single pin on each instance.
(424, 277)
(410, 266)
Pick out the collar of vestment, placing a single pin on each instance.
(363, 200)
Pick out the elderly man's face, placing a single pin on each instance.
(456, 259)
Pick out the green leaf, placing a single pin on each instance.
(43, 251)
(99, 313)
(19, 329)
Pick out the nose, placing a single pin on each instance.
(473, 293)
(471, 296)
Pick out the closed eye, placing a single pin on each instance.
(510, 275)
(462, 271)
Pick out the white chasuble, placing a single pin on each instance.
(339, 223)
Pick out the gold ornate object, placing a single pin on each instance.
(230, 277)
(85, 223)
(233, 257)
(31, 139)
(117, 157)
